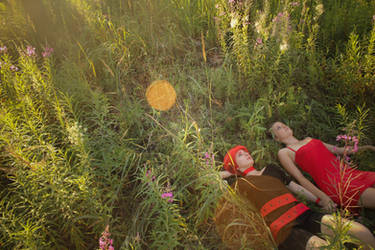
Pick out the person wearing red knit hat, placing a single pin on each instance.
(292, 224)
(230, 163)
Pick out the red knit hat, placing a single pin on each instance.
(230, 163)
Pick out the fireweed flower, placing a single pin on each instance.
(47, 52)
(259, 41)
(349, 138)
(105, 242)
(207, 157)
(30, 51)
(168, 195)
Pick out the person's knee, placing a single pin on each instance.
(367, 198)
(315, 242)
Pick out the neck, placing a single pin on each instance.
(290, 141)
(248, 170)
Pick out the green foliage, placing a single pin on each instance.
(79, 146)
(50, 196)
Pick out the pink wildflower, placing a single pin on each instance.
(259, 41)
(373, 18)
(168, 195)
(231, 1)
(105, 243)
(206, 155)
(30, 51)
(47, 52)
(209, 157)
(349, 138)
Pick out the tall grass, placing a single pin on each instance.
(81, 149)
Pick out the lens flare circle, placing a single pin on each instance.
(161, 95)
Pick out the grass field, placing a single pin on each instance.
(81, 150)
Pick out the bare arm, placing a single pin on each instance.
(292, 169)
(349, 149)
(225, 174)
(299, 190)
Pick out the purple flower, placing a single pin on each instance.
(47, 52)
(168, 194)
(259, 41)
(341, 137)
(217, 6)
(105, 243)
(206, 155)
(3, 49)
(102, 242)
(30, 51)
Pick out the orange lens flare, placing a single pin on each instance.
(161, 95)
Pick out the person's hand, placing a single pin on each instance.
(328, 205)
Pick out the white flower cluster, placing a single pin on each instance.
(76, 134)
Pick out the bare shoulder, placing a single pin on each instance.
(283, 152)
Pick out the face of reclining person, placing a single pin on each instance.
(281, 131)
(244, 159)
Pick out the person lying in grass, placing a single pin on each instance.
(337, 183)
(293, 225)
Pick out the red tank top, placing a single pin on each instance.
(341, 183)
